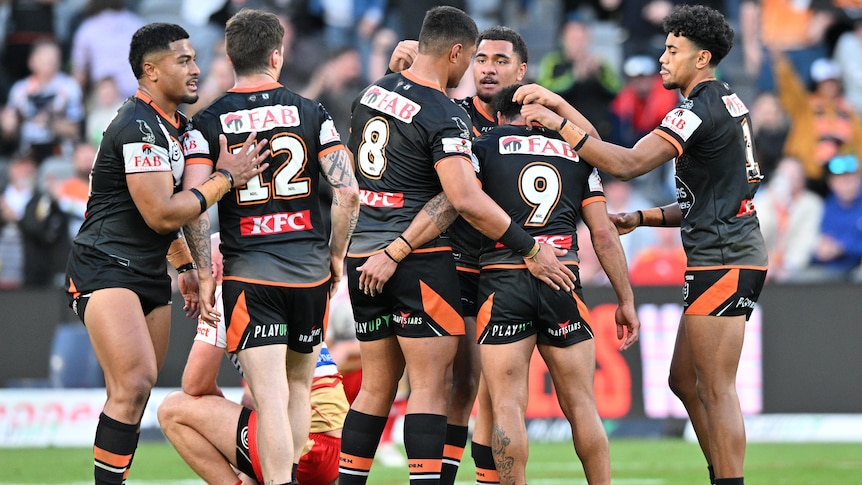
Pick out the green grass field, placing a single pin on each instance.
(634, 462)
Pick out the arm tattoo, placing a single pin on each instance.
(441, 211)
(504, 463)
(336, 167)
(197, 235)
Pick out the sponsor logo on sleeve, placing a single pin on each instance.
(328, 133)
(734, 105)
(682, 121)
(194, 143)
(392, 104)
(263, 118)
(457, 145)
(146, 157)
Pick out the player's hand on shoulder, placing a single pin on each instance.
(247, 162)
(403, 55)
(545, 267)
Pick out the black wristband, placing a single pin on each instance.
(663, 220)
(581, 143)
(563, 124)
(641, 214)
(186, 267)
(201, 198)
(390, 256)
(406, 242)
(517, 239)
(226, 174)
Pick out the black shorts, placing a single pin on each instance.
(722, 292)
(247, 457)
(468, 280)
(89, 270)
(422, 299)
(516, 306)
(258, 315)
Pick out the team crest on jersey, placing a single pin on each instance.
(734, 105)
(146, 131)
(682, 121)
(462, 127)
(390, 103)
(536, 145)
(259, 119)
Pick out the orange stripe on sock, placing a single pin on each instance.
(440, 311)
(716, 294)
(484, 475)
(425, 465)
(484, 315)
(453, 452)
(239, 320)
(355, 462)
(111, 459)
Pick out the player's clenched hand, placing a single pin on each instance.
(546, 267)
(243, 164)
(375, 272)
(626, 222)
(188, 285)
(628, 325)
(404, 55)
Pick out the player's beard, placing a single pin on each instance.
(189, 99)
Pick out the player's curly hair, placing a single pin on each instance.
(705, 27)
(502, 102)
(151, 38)
(500, 32)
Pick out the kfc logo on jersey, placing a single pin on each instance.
(259, 119)
(277, 223)
(390, 103)
(380, 199)
(734, 105)
(681, 121)
(143, 157)
(562, 241)
(457, 145)
(536, 145)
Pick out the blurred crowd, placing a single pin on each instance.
(795, 64)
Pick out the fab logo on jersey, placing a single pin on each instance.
(145, 157)
(536, 145)
(263, 118)
(390, 103)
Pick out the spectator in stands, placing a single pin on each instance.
(796, 28)
(101, 43)
(584, 80)
(838, 251)
(72, 193)
(28, 23)
(847, 56)
(770, 125)
(349, 23)
(20, 187)
(823, 123)
(662, 264)
(102, 104)
(335, 85)
(790, 218)
(636, 110)
(45, 110)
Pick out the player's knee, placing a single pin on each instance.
(681, 386)
(169, 409)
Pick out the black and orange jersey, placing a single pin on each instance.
(466, 239)
(140, 139)
(717, 175)
(536, 177)
(400, 128)
(272, 228)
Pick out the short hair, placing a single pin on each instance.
(154, 37)
(705, 27)
(502, 102)
(500, 32)
(250, 37)
(445, 26)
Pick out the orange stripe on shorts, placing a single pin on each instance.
(440, 311)
(483, 317)
(716, 294)
(239, 321)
